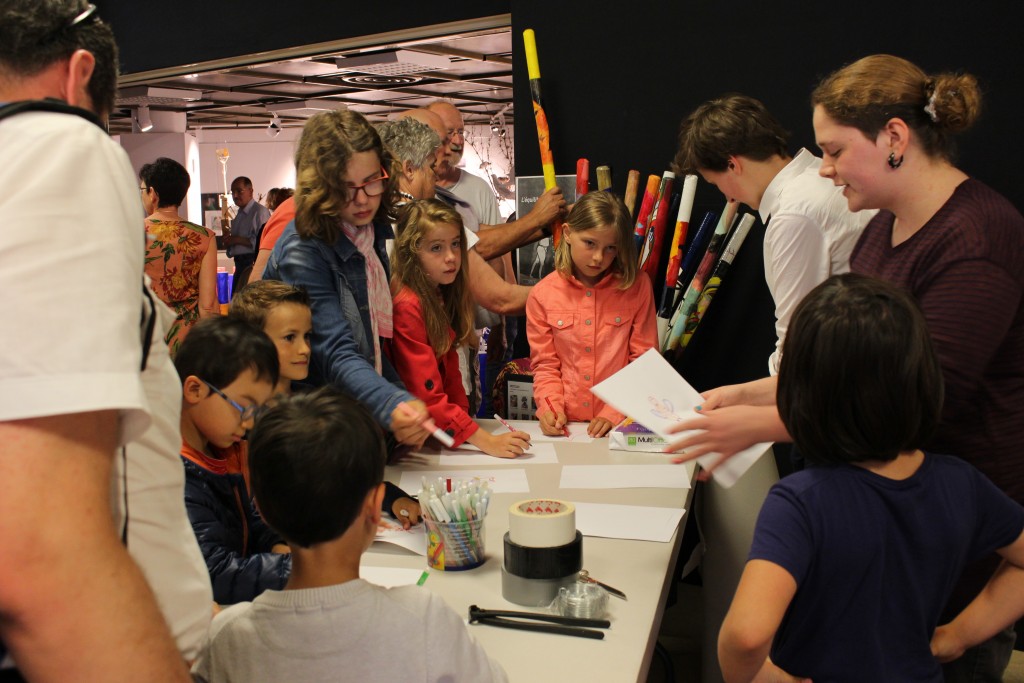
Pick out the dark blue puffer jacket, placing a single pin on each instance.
(235, 540)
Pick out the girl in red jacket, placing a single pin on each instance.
(433, 315)
(589, 318)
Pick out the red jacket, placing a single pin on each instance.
(435, 381)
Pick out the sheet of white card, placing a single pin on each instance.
(503, 480)
(539, 454)
(389, 577)
(624, 477)
(650, 391)
(413, 538)
(577, 432)
(633, 522)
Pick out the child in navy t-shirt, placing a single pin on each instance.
(854, 558)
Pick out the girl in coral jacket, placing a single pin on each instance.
(590, 318)
(433, 315)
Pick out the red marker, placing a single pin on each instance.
(565, 428)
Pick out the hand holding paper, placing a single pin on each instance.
(651, 392)
(723, 432)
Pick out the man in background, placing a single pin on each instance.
(240, 240)
(476, 192)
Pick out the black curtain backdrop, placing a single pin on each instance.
(618, 80)
(166, 34)
(616, 85)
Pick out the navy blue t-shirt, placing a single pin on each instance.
(874, 560)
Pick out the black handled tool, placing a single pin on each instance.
(566, 626)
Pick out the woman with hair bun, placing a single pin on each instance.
(886, 130)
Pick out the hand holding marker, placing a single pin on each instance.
(428, 424)
(551, 407)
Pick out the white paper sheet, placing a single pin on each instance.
(391, 531)
(577, 432)
(633, 522)
(650, 391)
(539, 454)
(503, 480)
(389, 577)
(624, 477)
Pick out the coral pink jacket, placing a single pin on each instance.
(580, 336)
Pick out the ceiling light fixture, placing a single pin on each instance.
(498, 125)
(142, 119)
(274, 129)
(393, 62)
(147, 94)
(306, 107)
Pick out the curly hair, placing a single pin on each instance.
(454, 309)
(329, 141)
(409, 140)
(873, 90)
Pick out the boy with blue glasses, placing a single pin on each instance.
(228, 370)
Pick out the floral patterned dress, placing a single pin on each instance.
(174, 255)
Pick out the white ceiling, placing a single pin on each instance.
(477, 79)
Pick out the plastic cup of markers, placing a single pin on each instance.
(455, 546)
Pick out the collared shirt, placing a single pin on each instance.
(580, 336)
(247, 223)
(809, 237)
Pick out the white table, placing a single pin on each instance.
(643, 570)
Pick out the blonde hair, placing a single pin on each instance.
(875, 89)
(454, 309)
(598, 210)
(329, 141)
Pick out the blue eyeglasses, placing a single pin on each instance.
(246, 412)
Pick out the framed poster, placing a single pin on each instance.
(538, 259)
(519, 400)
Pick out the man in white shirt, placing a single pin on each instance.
(736, 144)
(73, 605)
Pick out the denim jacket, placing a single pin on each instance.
(334, 275)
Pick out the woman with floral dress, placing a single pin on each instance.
(181, 257)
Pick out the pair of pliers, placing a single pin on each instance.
(565, 626)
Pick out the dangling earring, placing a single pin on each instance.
(893, 161)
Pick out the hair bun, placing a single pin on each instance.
(954, 101)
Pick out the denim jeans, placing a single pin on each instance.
(984, 663)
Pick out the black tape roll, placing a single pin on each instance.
(544, 563)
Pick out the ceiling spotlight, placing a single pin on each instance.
(274, 129)
(498, 125)
(142, 120)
